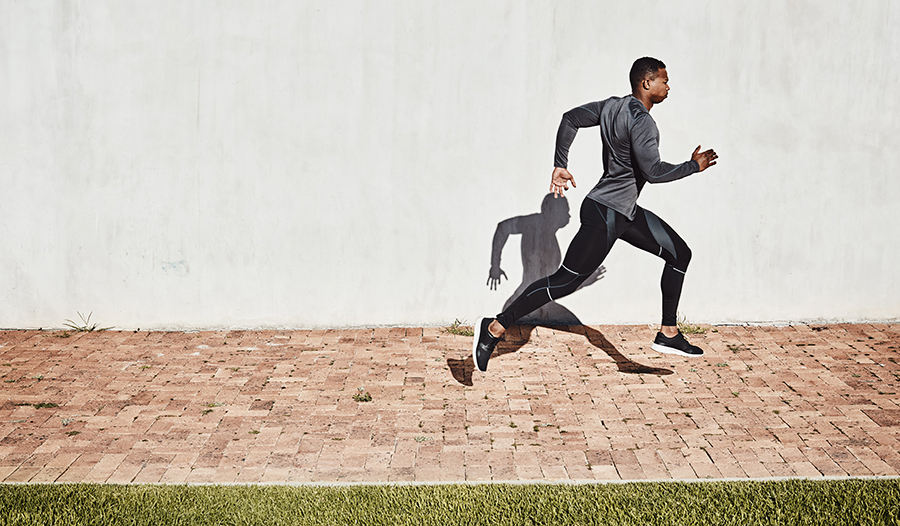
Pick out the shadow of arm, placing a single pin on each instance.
(501, 235)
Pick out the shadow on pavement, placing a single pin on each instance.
(462, 369)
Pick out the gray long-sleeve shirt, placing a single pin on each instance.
(630, 150)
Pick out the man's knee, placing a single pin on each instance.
(683, 259)
(686, 258)
(680, 259)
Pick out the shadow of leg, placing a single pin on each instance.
(513, 340)
(516, 338)
(462, 370)
(625, 365)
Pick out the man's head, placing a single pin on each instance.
(649, 78)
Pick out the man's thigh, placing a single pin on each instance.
(650, 233)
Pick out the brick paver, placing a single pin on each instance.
(563, 403)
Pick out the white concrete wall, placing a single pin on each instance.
(172, 164)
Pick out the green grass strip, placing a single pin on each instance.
(793, 502)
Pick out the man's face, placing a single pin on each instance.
(659, 86)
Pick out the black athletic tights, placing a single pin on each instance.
(600, 228)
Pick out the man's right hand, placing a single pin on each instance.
(704, 159)
(559, 181)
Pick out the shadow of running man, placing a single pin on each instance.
(541, 256)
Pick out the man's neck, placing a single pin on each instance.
(645, 100)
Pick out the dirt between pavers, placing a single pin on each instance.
(586, 403)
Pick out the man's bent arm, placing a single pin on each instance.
(645, 146)
(581, 117)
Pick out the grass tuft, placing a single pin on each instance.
(750, 503)
(362, 396)
(687, 327)
(459, 328)
(85, 325)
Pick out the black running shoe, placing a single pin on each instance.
(677, 345)
(483, 344)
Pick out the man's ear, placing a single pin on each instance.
(645, 84)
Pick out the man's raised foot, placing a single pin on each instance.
(483, 343)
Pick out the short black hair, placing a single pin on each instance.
(644, 68)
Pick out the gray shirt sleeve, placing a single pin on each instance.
(645, 148)
(581, 117)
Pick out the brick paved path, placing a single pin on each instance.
(576, 403)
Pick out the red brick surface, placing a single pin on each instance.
(564, 403)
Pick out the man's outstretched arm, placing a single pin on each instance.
(645, 147)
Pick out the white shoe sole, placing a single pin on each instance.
(475, 341)
(671, 350)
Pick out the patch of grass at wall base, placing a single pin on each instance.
(460, 328)
(794, 502)
(687, 327)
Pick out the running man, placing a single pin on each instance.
(610, 211)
